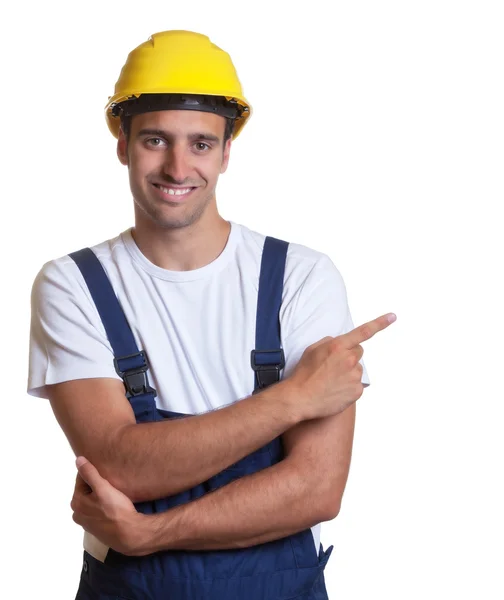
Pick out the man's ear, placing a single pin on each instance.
(122, 148)
(225, 157)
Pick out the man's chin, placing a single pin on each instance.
(174, 221)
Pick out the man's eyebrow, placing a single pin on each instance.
(208, 137)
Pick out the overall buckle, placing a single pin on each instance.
(135, 379)
(266, 374)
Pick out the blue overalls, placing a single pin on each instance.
(284, 569)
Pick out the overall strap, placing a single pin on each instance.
(268, 357)
(130, 364)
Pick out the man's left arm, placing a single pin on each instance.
(299, 492)
(306, 487)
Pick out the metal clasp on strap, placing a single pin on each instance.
(269, 373)
(135, 379)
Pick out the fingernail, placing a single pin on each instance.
(80, 461)
(391, 317)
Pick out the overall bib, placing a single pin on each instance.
(284, 569)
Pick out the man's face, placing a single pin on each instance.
(174, 159)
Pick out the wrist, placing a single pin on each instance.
(143, 530)
(290, 397)
(158, 532)
(148, 530)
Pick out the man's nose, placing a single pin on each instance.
(177, 164)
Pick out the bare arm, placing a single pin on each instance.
(153, 460)
(296, 493)
(304, 489)
(265, 505)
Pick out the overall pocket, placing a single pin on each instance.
(85, 592)
(100, 582)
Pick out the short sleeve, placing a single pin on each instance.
(67, 338)
(319, 309)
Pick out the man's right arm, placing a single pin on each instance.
(153, 460)
(71, 364)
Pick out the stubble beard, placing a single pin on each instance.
(189, 214)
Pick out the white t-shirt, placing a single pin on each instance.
(197, 327)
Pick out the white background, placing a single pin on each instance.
(377, 137)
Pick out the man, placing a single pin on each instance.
(211, 483)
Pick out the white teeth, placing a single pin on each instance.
(173, 192)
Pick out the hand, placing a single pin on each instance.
(107, 513)
(328, 375)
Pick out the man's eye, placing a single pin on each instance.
(199, 144)
(154, 139)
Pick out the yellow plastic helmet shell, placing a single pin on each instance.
(178, 62)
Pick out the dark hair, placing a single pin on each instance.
(126, 127)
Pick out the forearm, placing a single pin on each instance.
(154, 460)
(267, 505)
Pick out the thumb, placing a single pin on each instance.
(89, 473)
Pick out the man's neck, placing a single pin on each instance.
(185, 248)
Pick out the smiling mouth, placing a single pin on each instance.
(174, 191)
(173, 194)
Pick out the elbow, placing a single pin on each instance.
(332, 512)
(117, 477)
(320, 505)
(320, 498)
(111, 462)
(329, 506)
(115, 474)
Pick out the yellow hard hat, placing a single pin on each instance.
(196, 73)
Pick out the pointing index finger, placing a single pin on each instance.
(367, 330)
